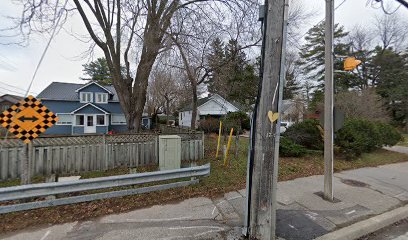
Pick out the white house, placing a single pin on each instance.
(214, 105)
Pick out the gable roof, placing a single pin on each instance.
(10, 98)
(66, 92)
(89, 104)
(92, 82)
(202, 101)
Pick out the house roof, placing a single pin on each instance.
(201, 101)
(92, 105)
(10, 98)
(92, 82)
(67, 91)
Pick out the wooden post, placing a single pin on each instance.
(228, 148)
(219, 140)
(236, 145)
(26, 158)
(263, 175)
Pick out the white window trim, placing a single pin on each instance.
(112, 123)
(80, 97)
(105, 120)
(102, 94)
(64, 124)
(75, 124)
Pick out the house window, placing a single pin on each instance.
(118, 119)
(79, 120)
(100, 120)
(64, 119)
(101, 98)
(86, 97)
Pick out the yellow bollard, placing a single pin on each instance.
(228, 147)
(219, 140)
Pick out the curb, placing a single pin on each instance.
(368, 226)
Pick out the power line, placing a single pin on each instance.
(46, 48)
(8, 90)
(15, 87)
(338, 6)
(382, 6)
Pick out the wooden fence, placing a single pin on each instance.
(78, 154)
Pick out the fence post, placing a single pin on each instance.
(105, 152)
(156, 149)
(202, 145)
(26, 158)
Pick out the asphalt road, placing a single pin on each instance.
(397, 231)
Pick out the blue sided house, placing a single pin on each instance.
(85, 109)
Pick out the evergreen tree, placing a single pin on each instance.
(292, 85)
(216, 62)
(391, 78)
(313, 57)
(98, 71)
(232, 76)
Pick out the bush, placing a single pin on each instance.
(236, 120)
(287, 148)
(306, 134)
(389, 135)
(209, 125)
(360, 136)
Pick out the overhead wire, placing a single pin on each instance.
(46, 48)
(60, 13)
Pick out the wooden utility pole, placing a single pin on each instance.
(262, 180)
(328, 102)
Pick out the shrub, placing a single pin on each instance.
(388, 134)
(236, 120)
(287, 148)
(209, 125)
(359, 136)
(306, 134)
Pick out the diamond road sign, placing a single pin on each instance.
(27, 119)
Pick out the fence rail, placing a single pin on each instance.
(46, 189)
(78, 154)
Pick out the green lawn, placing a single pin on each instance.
(405, 141)
(222, 180)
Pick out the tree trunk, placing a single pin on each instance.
(167, 111)
(195, 100)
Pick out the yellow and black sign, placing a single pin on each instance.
(27, 119)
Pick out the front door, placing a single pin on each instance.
(90, 125)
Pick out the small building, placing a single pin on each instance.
(85, 108)
(214, 106)
(7, 100)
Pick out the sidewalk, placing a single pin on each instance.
(302, 213)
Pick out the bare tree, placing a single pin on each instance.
(132, 33)
(391, 31)
(364, 104)
(234, 19)
(166, 88)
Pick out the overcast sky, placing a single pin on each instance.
(62, 62)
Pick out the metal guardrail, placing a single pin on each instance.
(47, 189)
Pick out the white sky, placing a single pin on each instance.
(17, 64)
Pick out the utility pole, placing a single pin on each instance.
(328, 102)
(264, 152)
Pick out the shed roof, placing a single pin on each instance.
(10, 98)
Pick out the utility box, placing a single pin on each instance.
(169, 152)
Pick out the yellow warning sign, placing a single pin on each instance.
(27, 119)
